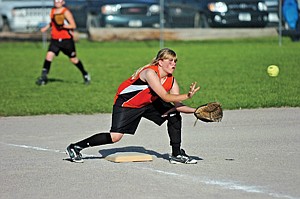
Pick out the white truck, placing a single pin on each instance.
(24, 15)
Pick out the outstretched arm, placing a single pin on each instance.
(154, 82)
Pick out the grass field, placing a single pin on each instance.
(232, 72)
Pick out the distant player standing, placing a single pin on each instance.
(147, 94)
(62, 25)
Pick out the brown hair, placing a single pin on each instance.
(165, 53)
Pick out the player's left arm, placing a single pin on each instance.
(180, 107)
(45, 28)
(70, 19)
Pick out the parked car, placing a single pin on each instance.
(146, 13)
(273, 12)
(233, 13)
(134, 13)
(24, 16)
(131, 13)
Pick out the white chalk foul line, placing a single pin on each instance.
(225, 184)
(221, 183)
(41, 149)
(35, 148)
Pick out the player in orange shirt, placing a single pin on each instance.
(61, 40)
(151, 93)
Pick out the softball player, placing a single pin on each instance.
(152, 93)
(61, 40)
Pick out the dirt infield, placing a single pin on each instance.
(250, 154)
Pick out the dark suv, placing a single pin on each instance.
(233, 13)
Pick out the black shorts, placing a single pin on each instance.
(67, 46)
(126, 120)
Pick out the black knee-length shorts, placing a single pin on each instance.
(126, 120)
(67, 46)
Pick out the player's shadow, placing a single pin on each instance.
(54, 80)
(138, 149)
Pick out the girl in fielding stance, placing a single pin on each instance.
(153, 93)
(61, 40)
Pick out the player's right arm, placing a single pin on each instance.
(154, 82)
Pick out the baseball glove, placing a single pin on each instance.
(210, 112)
(59, 20)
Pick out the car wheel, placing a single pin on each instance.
(203, 21)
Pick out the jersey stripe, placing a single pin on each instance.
(135, 93)
(133, 88)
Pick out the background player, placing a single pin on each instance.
(62, 25)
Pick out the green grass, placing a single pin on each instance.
(232, 72)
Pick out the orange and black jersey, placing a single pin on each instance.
(135, 93)
(59, 32)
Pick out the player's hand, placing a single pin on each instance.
(193, 89)
(44, 29)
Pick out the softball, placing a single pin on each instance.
(273, 70)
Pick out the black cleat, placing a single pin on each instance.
(41, 81)
(183, 158)
(87, 79)
(73, 152)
